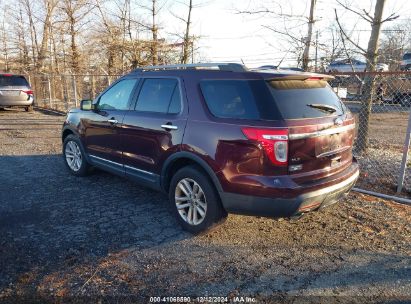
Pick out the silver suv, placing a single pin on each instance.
(15, 91)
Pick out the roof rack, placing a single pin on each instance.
(231, 67)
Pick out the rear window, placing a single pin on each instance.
(407, 56)
(272, 100)
(13, 81)
(305, 99)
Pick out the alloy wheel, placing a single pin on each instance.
(73, 156)
(190, 201)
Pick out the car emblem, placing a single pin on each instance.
(338, 122)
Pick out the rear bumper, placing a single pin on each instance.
(286, 207)
(16, 103)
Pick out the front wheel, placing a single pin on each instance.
(194, 200)
(74, 156)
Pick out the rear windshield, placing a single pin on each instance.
(13, 81)
(272, 100)
(305, 99)
(407, 56)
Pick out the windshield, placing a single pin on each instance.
(407, 56)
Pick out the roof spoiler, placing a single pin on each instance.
(303, 76)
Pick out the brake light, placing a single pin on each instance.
(314, 78)
(7, 75)
(28, 92)
(273, 141)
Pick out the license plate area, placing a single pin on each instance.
(10, 93)
(327, 144)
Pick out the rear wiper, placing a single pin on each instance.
(323, 107)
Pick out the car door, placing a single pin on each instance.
(102, 126)
(154, 128)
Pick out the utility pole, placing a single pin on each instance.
(311, 22)
(316, 51)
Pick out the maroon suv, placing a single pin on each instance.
(219, 139)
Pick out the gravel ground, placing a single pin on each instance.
(104, 239)
(381, 164)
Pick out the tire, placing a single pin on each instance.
(207, 203)
(72, 147)
(29, 108)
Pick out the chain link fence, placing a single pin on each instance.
(382, 98)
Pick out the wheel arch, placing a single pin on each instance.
(67, 131)
(182, 159)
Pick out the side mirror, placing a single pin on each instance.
(86, 105)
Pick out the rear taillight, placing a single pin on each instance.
(28, 92)
(274, 142)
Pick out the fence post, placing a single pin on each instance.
(65, 93)
(75, 90)
(93, 87)
(49, 85)
(404, 161)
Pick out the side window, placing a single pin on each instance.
(117, 97)
(175, 104)
(159, 95)
(231, 98)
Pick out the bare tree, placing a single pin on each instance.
(75, 11)
(396, 40)
(291, 28)
(308, 39)
(186, 43)
(371, 55)
(154, 31)
(49, 6)
(22, 43)
(28, 8)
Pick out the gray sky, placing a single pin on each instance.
(228, 36)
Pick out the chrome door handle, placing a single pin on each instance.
(113, 121)
(169, 127)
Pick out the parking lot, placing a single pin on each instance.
(103, 237)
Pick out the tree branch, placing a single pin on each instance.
(368, 18)
(346, 36)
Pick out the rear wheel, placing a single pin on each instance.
(29, 108)
(194, 200)
(74, 156)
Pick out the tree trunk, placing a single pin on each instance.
(154, 31)
(311, 22)
(46, 30)
(186, 44)
(33, 32)
(367, 96)
(75, 60)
